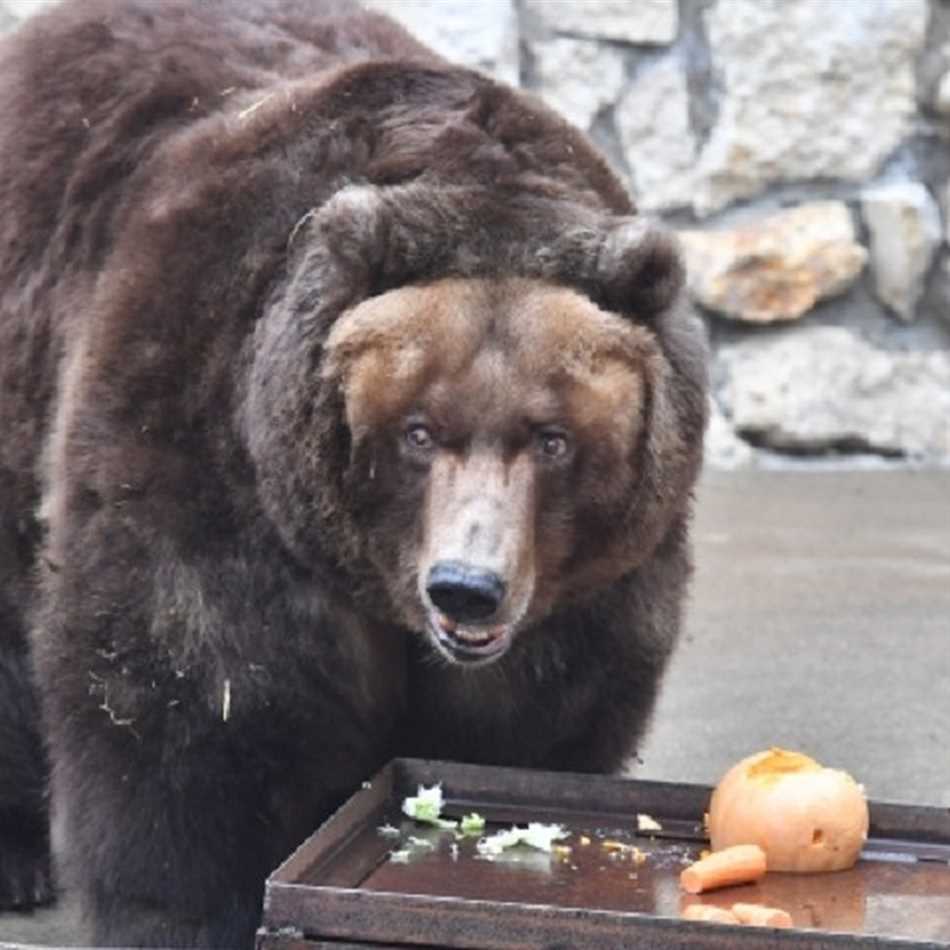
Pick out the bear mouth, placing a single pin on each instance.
(467, 644)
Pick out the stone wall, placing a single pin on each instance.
(801, 148)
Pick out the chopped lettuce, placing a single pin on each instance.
(536, 835)
(426, 806)
(472, 824)
(648, 823)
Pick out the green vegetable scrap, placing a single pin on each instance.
(426, 806)
(472, 824)
(536, 835)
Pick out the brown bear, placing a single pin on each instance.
(347, 410)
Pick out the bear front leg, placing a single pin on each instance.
(161, 828)
(25, 873)
(201, 723)
(169, 816)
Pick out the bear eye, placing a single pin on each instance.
(553, 445)
(419, 437)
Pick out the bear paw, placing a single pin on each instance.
(26, 878)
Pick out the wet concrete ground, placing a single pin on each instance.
(820, 620)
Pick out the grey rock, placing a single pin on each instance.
(652, 120)
(13, 11)
(483, 35)
(630, 21)
(944, 197)
(722, 448)
(904, 224)
(578, 77)
(941, 99)
(818, 389)
(941, 289)
(21, 9)
(811, 89)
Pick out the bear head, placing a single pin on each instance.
(472, 407)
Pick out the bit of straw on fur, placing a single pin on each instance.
(250, 110)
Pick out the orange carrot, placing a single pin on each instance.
(740, 864)
(759, 916)
(709, 914)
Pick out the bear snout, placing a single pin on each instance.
(464, 593)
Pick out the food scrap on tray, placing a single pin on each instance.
(740, 864)
(804, 817)
(778, 811)
(426, 806)
(750, 915)
(536, 835)
(708, 913)
(757, 915)
(472, 824)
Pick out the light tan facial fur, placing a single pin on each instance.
(391, 347)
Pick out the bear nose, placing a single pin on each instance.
(464, 593)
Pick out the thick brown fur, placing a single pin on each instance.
(205, 557)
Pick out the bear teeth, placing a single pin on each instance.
(479, 637)
(449, 626)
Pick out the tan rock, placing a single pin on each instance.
(776, 268)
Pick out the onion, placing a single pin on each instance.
(804, 817)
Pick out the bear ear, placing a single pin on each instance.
(342, 242)
(367, 240)
(639, 268)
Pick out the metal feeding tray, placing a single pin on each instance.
(342, 888)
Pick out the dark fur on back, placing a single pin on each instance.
(193, 193)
